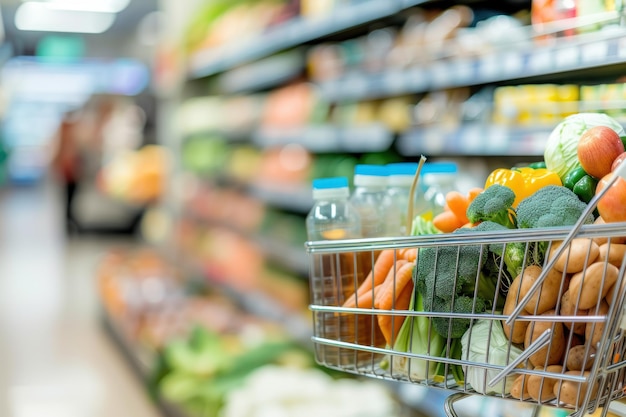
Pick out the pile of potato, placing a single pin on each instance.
(581, 283)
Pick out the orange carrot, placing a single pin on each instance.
(410, 254)
(472, 193)
(458, 204)
(447, 222)
(389, 280)
(365, 300)
(377, 275)
(390, 325)
(393, 285)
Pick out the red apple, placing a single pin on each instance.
(597, 149)
(612, 206)
(618, 161)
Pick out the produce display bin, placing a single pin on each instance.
(551, 335)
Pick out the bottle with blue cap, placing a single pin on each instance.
(335, 276)
(400, 181)
(440, 178)
(378, 217)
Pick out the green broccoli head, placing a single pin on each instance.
(494, 204)
(551, 206)
(455, 327)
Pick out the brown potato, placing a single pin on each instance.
(593, 331)
(580, 358)
(568, 308)
(611, 292)
(517, 330)
(552, 353)
(613, 253)
(573, 393)
(546, 297)
(581, 252)
(542, 388)
(519, 389)
(594, 283)
(602, 240)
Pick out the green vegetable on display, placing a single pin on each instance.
(581, 183)
(494, 204)
(561, 151)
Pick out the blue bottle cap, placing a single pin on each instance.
(441, 168)
(371, 170)
(328, 183)
(402, 168)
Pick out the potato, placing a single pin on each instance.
(552, 353)
(519, 389)
(593, 331)
(602, 240)
(546, 297)
(594, 282)
(573, 393)
(568, 308)
(517, 330)
(611, 292)
(542, 388)
(581, 252)
(613, 253)
(580, 358)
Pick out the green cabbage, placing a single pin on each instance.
(561, 154)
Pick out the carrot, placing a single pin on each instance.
(394, 284)
(410, 254)
(447, 222)
(390, 325)
(365, 300)
(458, 204)
(377, 275)
(473, 193)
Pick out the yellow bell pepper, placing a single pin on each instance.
(523, 181)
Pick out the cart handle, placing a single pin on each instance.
(620, 172)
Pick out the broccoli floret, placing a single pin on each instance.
(456, 327)
(494, 204)
(447, 271)
(513, 252)
(551, 206)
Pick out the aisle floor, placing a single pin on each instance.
(55, 360)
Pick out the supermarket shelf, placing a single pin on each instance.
(293, 33)
(295, 198)
(328, 138)
(602, 49)
(263, 74)
(139, 368)
(474, 140)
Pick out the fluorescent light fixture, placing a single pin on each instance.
(38, 16)
(100, 6)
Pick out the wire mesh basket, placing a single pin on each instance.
(531, 315)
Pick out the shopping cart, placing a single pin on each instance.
(568, 353)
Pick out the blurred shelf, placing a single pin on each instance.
(263, 74)
(585, 52)
(293, 33)
(374, 137)
(138, 366)
(474, 140)
(295, 198)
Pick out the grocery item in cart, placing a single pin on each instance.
(333, 217)
(399, 183)
(378, 217)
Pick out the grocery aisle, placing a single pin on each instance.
(54, 359)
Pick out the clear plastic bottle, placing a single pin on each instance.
(440, 178)
(336, 276)
(399, 182)
(379, 218)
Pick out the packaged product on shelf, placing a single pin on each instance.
(378, 217)
(334, 217)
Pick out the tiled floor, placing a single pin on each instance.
(55, 361)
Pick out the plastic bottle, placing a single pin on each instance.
(400, 180)
(440, 178)
(335, 276)
(379, 218)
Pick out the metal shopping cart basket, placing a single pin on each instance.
(451, 311)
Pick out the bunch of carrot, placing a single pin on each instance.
(389, 285)
(454, 215)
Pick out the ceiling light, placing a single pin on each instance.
(100, 6)
(38, 16)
